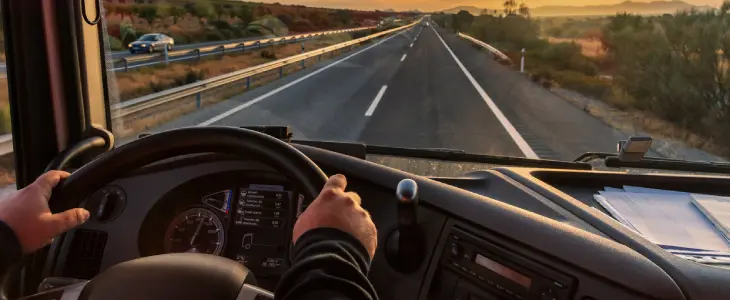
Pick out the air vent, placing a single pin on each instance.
(84, 255)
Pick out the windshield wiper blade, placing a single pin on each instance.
(458, 155)
(360, 150)
(670, 164)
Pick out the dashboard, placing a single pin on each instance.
(500, 233)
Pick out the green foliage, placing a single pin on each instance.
(343, 17)
(462, 21)
(244, 13)
(201, 9)
(148, 12)
(220, 24)
(127, 34)
(176, 12)
(116, 44)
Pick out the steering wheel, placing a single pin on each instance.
(179, 275)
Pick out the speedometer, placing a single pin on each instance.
(197, 230)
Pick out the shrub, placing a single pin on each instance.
(227, 34)
(220, 24)
(116, 44)
(191, 76)
(213, 36)
(268, 54)
(587, 85)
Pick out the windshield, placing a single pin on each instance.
(148, 38)
(547, 80)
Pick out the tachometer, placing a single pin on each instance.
(197, 230)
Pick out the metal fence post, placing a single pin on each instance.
(198, 52)
(167, 56)
(198, 99)
(302, 52)
(281, 72)
(126, 64)
(248, 83)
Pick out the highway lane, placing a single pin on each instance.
(430, 103)
(392, 93)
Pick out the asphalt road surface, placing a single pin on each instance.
(424, 87)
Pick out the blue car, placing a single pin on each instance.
(152, 42)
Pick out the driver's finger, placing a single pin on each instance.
(336, 182)
(355, 197)
(67, 220)
(48, 181)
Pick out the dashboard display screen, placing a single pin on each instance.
(259, 235)
(502, 270)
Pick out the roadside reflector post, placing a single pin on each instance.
(522, 61)
(302, 52)
(126, 64)
(167, 56)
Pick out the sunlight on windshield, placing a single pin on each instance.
(513, 79)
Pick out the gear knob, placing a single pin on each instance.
(404, 246)
(407, 194)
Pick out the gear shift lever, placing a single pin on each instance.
(404, 246)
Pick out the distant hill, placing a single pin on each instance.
(644, 8)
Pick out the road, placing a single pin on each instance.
(424, 87)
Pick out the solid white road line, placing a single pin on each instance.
(521, 143)
(286, 86)
(373, 105)
(404, 57)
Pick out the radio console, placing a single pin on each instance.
(499, 273)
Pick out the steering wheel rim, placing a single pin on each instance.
(71, 192)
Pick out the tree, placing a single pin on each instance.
(201, 9)
(462, 21)
(244, 13)
(510, 7)
(221, 10)
(148, 12)
(524, 10)
(176, 12)
(344, 17)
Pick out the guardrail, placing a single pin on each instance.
(222, 48)
(145, 102)
(139, 104)
(485, 45)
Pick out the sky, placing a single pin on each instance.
(434, 5)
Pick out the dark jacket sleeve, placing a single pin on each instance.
(327, 264)
(10, 250)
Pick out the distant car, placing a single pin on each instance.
(425, 24)
(152, 42)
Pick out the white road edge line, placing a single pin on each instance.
(373, 105)
(521, 143)
(288, 85)
(404, 57)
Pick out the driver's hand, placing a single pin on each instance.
(26, 212)
(338, 209)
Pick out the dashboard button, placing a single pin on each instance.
(456, 250)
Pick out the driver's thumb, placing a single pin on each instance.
(69, 219)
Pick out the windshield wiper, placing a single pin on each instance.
(453, 155)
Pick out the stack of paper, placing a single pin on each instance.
(680, 222)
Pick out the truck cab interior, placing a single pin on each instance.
(515, 229)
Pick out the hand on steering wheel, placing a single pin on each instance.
(335, 208)
(26, 212)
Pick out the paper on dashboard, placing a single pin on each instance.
(666, 219)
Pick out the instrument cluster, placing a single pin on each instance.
(246, 217)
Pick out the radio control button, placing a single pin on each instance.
(456, 250)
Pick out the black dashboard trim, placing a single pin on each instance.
(678, 268)
(608, 258)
